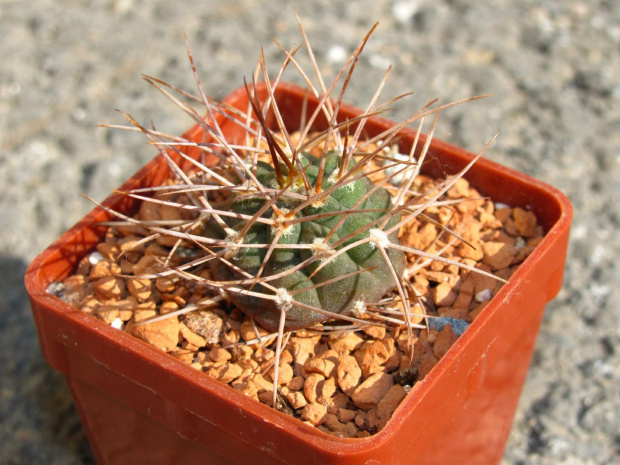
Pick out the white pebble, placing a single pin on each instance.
(500, 205)
(405, 10)
(336, 54)
(95, 258)
(519, 242)
(56, 288)
(483, 296)
(379, 61)
(599, 292)
(117, 323)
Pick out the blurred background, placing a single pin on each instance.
(552, 67)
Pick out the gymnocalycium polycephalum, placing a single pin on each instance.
(297, 227)
(344, 264)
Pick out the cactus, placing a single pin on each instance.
(294, 233)
(360, 274)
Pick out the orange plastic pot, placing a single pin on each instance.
(139, 405)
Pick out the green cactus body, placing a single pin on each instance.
(339, 295)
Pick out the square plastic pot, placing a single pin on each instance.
(140, 405)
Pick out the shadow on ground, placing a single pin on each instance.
(36, 410)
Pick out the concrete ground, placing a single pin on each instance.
(552, 67)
